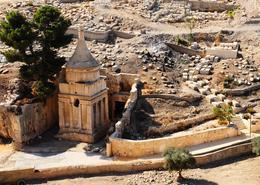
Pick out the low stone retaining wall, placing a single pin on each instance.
(242, 91)
(70, 1)
(222, 53)
(23, 123)
(100, 36)
(123, 35)
(225, 153)
(189, 99)
(141, 148)
(185, 50)
(113, 166)
(13, 175)
(176, 126)
(89, 35)
(210, 6)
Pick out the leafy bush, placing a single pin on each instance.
(191, 24)
(231, 14)
(41, 89)
(12, 55)
(224, 113)
(181, 41)
(256, 146)
(250, 110)
(178, 160)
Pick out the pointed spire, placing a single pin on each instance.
(81, 33)
(82, 57)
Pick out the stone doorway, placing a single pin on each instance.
(119, 109)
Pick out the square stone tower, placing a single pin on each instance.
(83, 97)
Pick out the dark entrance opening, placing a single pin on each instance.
(119, 109)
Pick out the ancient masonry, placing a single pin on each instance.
(83, 97)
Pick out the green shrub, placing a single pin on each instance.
(191, 24)
(256, 146)
(250, 110)
(224, 113)
(12, 55)
(178, 160)
(181, 41)
(231, 14)
(42, 89)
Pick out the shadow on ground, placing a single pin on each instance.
(227, 161)
(190, 181)
(47, 144)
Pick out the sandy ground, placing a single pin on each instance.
(242, 171)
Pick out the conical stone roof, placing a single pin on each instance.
(82, 57)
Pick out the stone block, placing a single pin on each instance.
(217, 104)
(204, 91)
(205, 71)
(201, 83)
(216, 59)
(221, 97)
(235, 103)
(213, 91)
(212, 98)
(195, 78)
(238, 121)
(193, 86)
(222, 52)
(228, 101)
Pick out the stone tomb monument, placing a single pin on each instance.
(83, 97)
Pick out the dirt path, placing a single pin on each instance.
(242, 172)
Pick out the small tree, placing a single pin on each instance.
(191, 23)
(231, 14)
(178, 160)
(17, 33)
(35, 43)
(248, 115)
(224, 113)
(256, 146)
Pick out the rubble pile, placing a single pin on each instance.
(163, 59)
(167, 11)
(198, 65)
(79, 13)
(247, 73)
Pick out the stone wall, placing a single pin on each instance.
(119, 85)
(185, 50)
(70, 1)
(222, 53)
(118, 82)
(34, 172)
(100, 36)
(187, 98)
(225, 153)
(177, 125)
(141, 148)
(241, 91)
(210, 6)
(23, 123)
